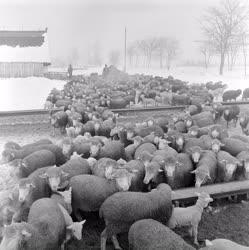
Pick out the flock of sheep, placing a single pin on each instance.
(126, 172)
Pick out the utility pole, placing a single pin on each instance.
(125, 52)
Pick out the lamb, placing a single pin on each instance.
(234, 146)
(122, 209)
(231, 113)
(58, 177)
(223, 244)
(113, 149)
(230, 95)
(218, 110)
(36, 233)
(30, 163)
(206, 170)
(89, 191)
(178, 171)
(190, 216)
(150, 234)
(227, 165)
(11, 145)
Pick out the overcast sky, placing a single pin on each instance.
(81, 23)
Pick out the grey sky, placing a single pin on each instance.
(80, 23)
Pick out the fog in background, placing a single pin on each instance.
(78, 27)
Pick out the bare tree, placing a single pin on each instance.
(114, 57)
(207, 52)
(161, 46)
(172, 47)
(232, 53)
(244, 45)
(132, 51)
(223, 23)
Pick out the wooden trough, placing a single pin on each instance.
(216, 191)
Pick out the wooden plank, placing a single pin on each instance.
(215, 190)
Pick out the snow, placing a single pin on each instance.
(26, 54)
(26, 93)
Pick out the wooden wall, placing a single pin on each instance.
(21, 69)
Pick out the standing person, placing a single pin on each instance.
(70, 71)
(105, 71)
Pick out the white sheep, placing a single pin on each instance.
(190, 216)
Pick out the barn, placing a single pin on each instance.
(23, 53)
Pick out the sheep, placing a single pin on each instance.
(245, 94)
(154, 174)
(206, 170)
(59, 120)
(231, 113)
(217, 111)
(113, 149)
(58, 177)
(100, 167)
(79, 145)
(137, 167)
(12, 145)
(144, 131)
(223, 244)
(243, 171)
(178, 171)
(10, 155)
(36, 233)
(30, 189)
(147, 146)
(122, 209)
(90, 191)
(64, 199)
(230, 95)
(30, 163)
(190, 216)
(244, 121)
(234, 146)
(131, 149)
(150, 234)
(202, 119)
(37, 143)
(227, 165)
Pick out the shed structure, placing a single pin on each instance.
(23, 53)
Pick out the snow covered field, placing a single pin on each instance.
(30, 93)
(25, 93)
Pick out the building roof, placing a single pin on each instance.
(24, 46)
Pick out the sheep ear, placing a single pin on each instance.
(82, 222)
(197, 193)
(32, 185)
(26, 234)
(208, 243)
(193, 172)
(70, 227)
(24, 164)
(64, 174)
(44, 175)
(12, 154)
(160, 170)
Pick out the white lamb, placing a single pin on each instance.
(190, 216)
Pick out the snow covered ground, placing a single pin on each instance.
(30, 93)
(25, 93)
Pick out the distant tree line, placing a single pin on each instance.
(141, 53)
